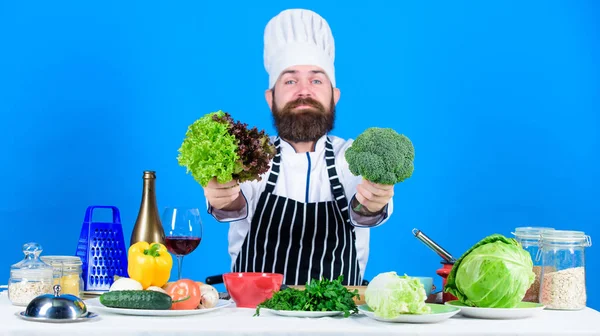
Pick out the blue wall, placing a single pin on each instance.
(501, 101)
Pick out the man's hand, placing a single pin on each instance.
(225, 196)
(374, 196)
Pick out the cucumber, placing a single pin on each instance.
(136, 299)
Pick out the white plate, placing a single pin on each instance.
(438, 313)
(298, 313)
(523, 310)
(95, 302)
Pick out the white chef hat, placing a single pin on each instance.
(298, 37)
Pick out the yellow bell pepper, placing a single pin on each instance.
(149, 264)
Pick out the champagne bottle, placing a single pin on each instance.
(148, 226)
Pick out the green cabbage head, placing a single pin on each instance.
(390, 295)
(494, 273)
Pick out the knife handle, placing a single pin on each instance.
(214, 279)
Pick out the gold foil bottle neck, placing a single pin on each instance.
(149, 174)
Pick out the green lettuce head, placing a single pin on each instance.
(209, 150)
(390, 295)
(494, 273)
(218, 146)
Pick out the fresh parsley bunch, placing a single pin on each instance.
(218, 146)
(319, 295)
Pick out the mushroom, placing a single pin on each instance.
(210, 296)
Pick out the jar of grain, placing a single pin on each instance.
(30, 277)
(562, 284)
(529, 238)
(67, 273)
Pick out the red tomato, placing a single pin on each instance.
(187, 292)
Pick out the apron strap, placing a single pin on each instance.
(272, 180)
(336, 186)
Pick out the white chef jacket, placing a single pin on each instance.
(303, 177)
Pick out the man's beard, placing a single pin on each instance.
(306, 125)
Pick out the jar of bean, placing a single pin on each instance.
(529, 238)
(67, 273)
(563, 285)
(30, 277)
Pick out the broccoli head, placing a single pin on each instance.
(381, 155)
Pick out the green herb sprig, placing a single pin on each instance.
(319, 295)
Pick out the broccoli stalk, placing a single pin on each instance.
(382, 156)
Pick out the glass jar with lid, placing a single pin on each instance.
(563, 284)
(529, 238)
(67, 273)
(30, 277)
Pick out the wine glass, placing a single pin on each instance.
(183, 232)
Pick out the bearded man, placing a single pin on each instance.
(299, 220)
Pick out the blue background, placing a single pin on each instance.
(501, 101)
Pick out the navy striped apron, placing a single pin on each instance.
(302, 241)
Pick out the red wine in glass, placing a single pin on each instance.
(180, 245)
(183, 232)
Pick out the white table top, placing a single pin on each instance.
(239, 321)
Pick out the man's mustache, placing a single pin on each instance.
(305, 101)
